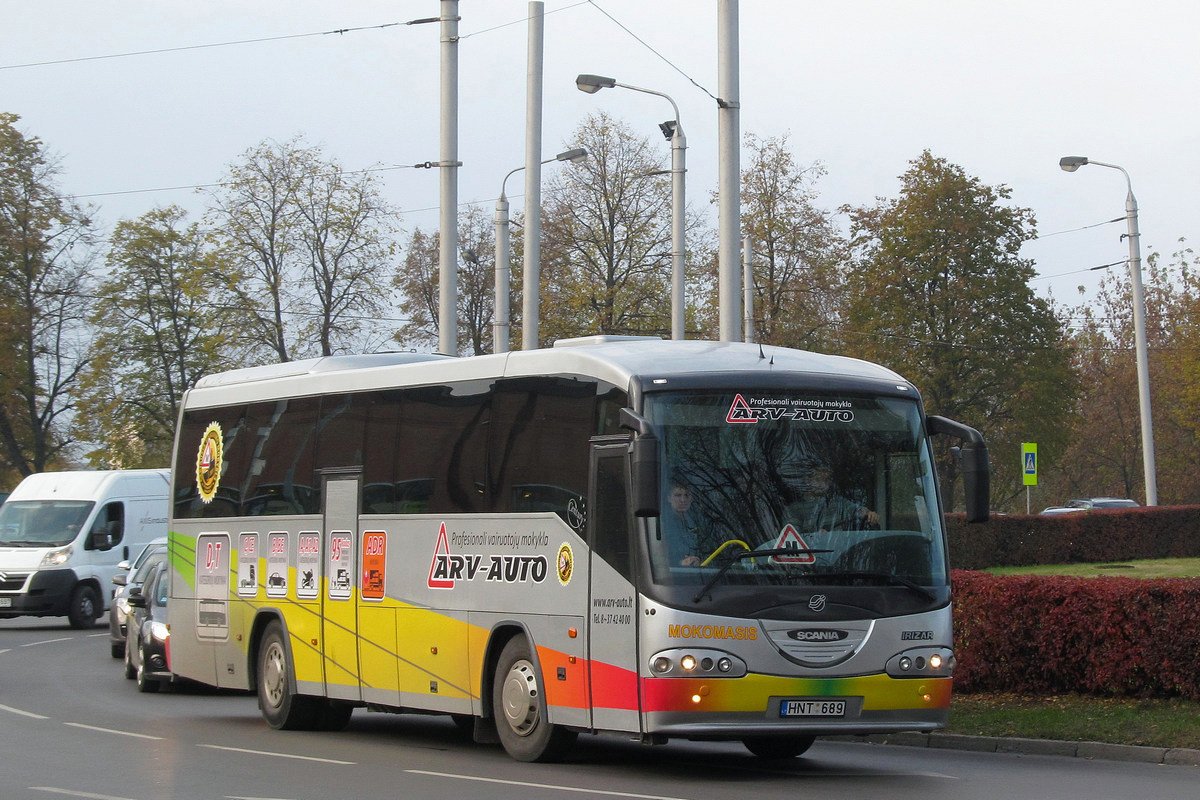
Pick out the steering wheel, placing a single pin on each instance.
(722, 548)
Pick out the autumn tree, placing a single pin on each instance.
(416, 282)
(45, 251)
(308, 245)
(797, 250)
(159, 330)
(938, 291)
(606, 228)
(1104, 455)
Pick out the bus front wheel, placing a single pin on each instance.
(282, 708)
(519, 705)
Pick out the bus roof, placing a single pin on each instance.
(619, 360)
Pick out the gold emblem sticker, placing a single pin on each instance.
(566, 564)
(208, 462)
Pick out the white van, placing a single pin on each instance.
(62, 535)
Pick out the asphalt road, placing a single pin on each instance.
(71, 726)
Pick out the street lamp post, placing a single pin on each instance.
(672, 130)
(1070, 164)
(501, 324)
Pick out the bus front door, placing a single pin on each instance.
(612, 601)
(339, 622)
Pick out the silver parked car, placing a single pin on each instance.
(132, 574)
(1103, 502)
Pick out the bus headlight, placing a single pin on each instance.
(696, 663)
(924, 662)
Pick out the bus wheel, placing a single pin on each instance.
(282, 708)
(519, 706)
(776, 747)
(83, 611)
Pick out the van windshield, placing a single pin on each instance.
(42, 523)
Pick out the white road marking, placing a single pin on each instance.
(29, 714)
(45, 641)
(114, 731)
(69, 793)
(277, 755)
(550, 786)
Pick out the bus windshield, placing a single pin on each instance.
(42, 523)
(828, 489)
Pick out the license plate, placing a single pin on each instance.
(812, 708)
(5, 602)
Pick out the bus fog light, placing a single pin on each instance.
(695, 663)
(906, 663)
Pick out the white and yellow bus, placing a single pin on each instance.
(503, 539)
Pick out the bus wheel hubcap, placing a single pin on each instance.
(520, 698)
(273, 676)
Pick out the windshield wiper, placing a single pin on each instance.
(886, 577)
(779, 551)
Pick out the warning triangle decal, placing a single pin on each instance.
(739, 411)
(789, 539)
(438, 572)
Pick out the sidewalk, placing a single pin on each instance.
(1171, 756)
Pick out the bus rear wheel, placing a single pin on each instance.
(778, 747)
(519, 706)
(281, 707)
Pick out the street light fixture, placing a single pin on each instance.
(1070, 164)
(672, 130)
(501, 324)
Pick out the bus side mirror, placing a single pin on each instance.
(643, 464)
(976, 470)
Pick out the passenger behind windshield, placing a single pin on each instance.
(684, 525)
(819, 507)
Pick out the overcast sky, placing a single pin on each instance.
(1001, 89)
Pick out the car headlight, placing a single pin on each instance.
(56, 558)
(159, 631)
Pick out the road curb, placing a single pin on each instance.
(1099, 751)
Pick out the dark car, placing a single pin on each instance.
(146, 651)
(1102, 502)
(131, 574)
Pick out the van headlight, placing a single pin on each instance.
(56, 558)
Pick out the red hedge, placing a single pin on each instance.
(1105, 636)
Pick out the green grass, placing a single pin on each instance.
(1150, 568)
(1082, 718)
(1079, 718)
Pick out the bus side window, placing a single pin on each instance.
(610, 515)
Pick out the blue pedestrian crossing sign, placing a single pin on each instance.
(1029, 465)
